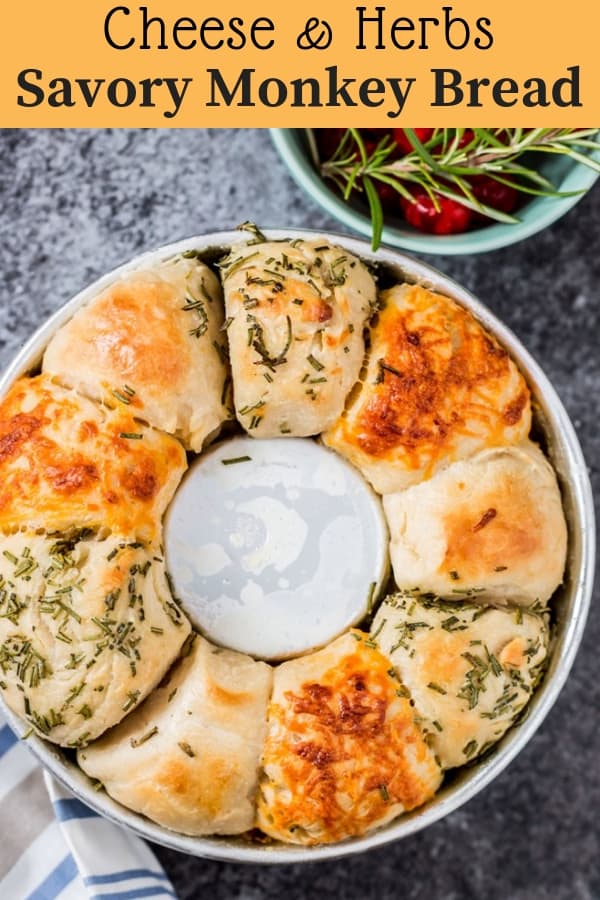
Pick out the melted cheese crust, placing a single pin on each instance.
(438, 388)
(343, 754)
(296, 312)
(66, 462)
(154, 338)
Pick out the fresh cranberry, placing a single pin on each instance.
(490, 192)
(403, 142)
(451, 217)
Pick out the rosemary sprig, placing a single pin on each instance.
(442, 165)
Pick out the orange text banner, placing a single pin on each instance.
(186, 63)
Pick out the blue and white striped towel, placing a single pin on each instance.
(62, 850)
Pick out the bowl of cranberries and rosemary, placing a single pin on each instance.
(443, 190)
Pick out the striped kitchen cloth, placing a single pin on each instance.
(54, 847)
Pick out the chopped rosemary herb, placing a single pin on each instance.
(256, 340)
(486, 518)
(121, 397)
(503, 703)
(237, 459)
(474, 679)
(248, 409)
(225, 391)
(470, 749)
(371, 596)
(315, 363)
(196, 305)
(377, 632)
(494, 663)
(230, 267)
(253, 229)
(453, 623)
(132, 699)
(137, 742)
(183, 745)
(433, 686)
(76, 659)
(131, 435)
(30, 667)
(384, 793)
(385, 367)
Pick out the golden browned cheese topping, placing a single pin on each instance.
(65, 462)
(346, 751)
(440, 376)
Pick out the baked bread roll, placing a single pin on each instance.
(296, 311)
(152, 341)
(343, 754)
(492, 526)
(438, 388)
(67, 463)
(87, 628)
(469, 669)
(188, 758)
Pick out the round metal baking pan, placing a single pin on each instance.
(570, 604)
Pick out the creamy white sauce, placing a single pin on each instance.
(274, 555)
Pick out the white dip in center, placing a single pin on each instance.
(275, 546)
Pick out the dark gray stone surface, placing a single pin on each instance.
(74, 204)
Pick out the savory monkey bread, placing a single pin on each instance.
(276, 339)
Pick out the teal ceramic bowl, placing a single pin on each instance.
(534, 215)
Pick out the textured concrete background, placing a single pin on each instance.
(75, 204)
